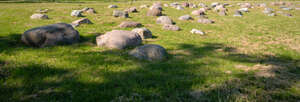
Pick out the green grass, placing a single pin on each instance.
(196, 70)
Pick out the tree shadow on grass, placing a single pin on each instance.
(11, 42)
(112, 75)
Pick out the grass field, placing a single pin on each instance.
(252, 58)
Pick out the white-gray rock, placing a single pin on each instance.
(171, 27)
(112, 6)
(185, 17)
(196, 31)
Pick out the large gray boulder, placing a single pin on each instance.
(49, 35)
(119, 39)
(143, 32)
(164, 20)
(150, 52)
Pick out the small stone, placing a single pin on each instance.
(143, 32)
(179, 7)
(205, 21)
(185, 17)
(196, 31)
(39, 16)
(144, 6)
(171, 27)
(164, 20)
(238, 14)
(287, 14)
(154, 12)
(126, 24)
(81, 21)
(150, 52)
(244, 10)
(117, 13)
(112, 6)
(91, 11)
(271, 14)
(132, 10)
(198, 12)
(42, 11)
(166, 5)
(76, 13)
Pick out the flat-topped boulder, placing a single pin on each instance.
(49, 35)
(150, 52)
(39, 16)
(126, 24)
(164, 20)
(143, 32)
(119, 39)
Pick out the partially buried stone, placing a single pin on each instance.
(185, 17)
(150, 52)
(171, 27)
(196, 31)
(126, 24)
(205, 21)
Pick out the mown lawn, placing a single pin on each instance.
(252, 58)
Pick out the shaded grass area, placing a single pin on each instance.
(235, 61)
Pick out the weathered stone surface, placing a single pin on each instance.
(126, 24)
(150, 52)
(49, 35)
(222, 13)
(81, 21)
(39, 16)
(157, 6)
(143, 32)
(164, 20)
(205, 21)
(117, 13)
(185, 17)
(171, 27)
(119, 39)
(154, 12)
(112, 6)
(196, 31)
(198, 12)
(76, 13)
(191, 5)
